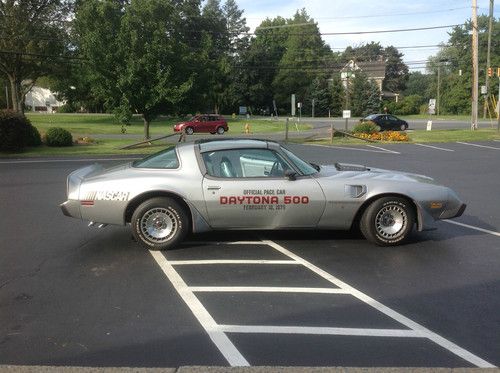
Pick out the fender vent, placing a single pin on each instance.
(355, 191)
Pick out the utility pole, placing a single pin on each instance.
(475, 70)
(438, 101)
(490, 26)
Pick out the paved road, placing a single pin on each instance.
(415, 124)
(72, 295)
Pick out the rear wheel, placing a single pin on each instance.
(220, 130)
(189, 130)
(388, 221)
(159, 223)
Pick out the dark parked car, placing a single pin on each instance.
(212, 123)
(387, 122)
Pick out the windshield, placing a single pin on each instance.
(304, 167)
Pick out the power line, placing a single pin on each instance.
(386, 31)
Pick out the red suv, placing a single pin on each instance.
(212, 123)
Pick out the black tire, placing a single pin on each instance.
(189, 130)
(220, 130)
(159, 223)
(403, 127)
(388, 221)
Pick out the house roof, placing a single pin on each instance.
(372, 69)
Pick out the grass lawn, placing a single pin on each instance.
(102, 147)
(422, 136)
(100, 124)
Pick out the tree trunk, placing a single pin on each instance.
(16, 95)
(146, 128)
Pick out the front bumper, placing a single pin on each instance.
(453, 213)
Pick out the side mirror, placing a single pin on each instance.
(316, 167)
(291, 175)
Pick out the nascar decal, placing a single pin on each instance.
(267, 199)
(107, 195)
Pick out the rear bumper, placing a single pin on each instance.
(71, 208)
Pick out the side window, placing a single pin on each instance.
(166, 159)
(245, 163)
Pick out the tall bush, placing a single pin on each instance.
(16, 132)
(57, 136)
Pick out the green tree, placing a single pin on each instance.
(396, 71)
(151, 78)
(305, 52)
(418, 84)
(337, 95)
(32, 42)
(259, 63)
(321, 93)
(454, 60)
(372, 103)
(361, 92)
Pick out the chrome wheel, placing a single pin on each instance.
(391, 221)
(388, 221)
(189, 131)
(159, 224)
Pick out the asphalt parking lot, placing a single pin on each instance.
(73, 295)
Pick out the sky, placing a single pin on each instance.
(374, 15)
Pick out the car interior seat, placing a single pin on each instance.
(226, 168)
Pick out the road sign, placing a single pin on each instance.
(432, 106)
(346, 114)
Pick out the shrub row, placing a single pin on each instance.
(370, 131)
(17, 132)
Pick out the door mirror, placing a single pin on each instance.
(291, 175)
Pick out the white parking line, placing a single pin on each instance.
(235, 358)
(434, 147)
(319, 330)
(477, 145)
(385, 150)
(236, 261)
(472, 227)
(349, 148)
(443, 342)
(266, 289)
(223, 343)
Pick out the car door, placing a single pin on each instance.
(395, 123)
(384, 122)
(246, 188)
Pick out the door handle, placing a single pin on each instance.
(213, 187)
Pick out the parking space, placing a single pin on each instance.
(71, 295)
(253, 308)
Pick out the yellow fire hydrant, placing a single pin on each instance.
(247, 128)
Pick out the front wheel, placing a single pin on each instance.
(403, 127)
(159, 223)
(189, 131)
(220, 130)
(388, 221)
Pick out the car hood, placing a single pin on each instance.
(354, 171)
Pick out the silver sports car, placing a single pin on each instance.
(253, 184)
